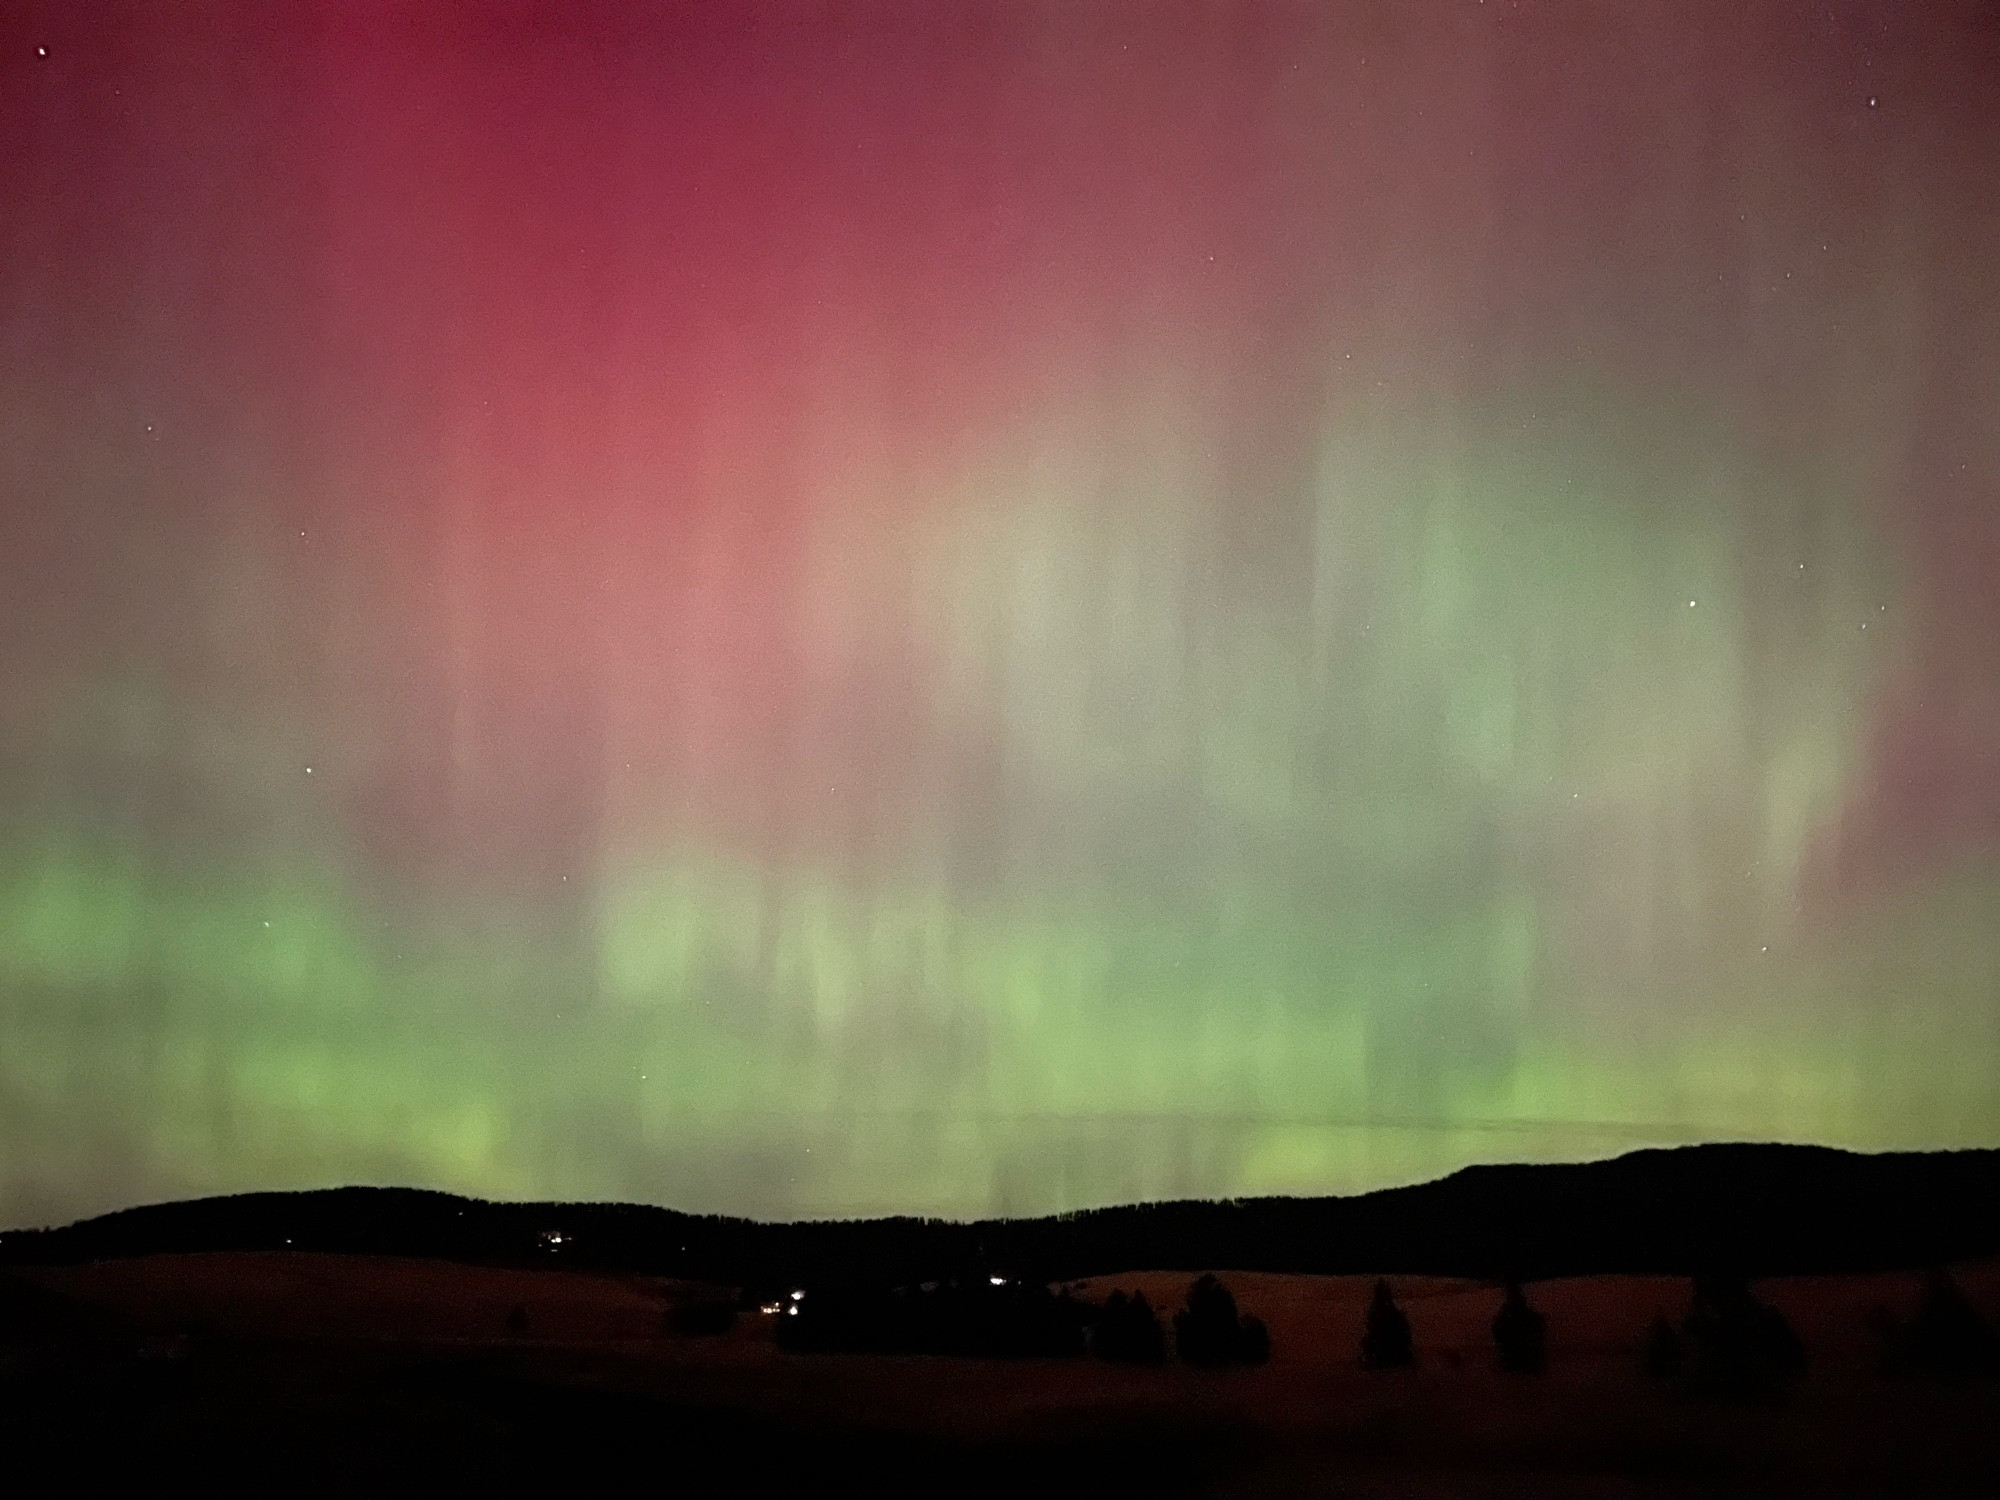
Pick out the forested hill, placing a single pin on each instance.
(1755, 1209)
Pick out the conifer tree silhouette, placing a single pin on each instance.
(1948, 1336)
(1664, 1356)
(1741, 1346)
(1127, 1331)
(1254, 1341)
(1521, 1333)
(1385, 1343)
(1210, 1332)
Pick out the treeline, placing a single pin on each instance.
(1758, 1210)
(995, 1317)
(1729, 1341)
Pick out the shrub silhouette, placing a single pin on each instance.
(1948, 1336)
(966, 1316)
(1741, 1345)
(1664, 1355)
(1255, 1345)
(1520, 1333)
(702, 1319)
(1385, 1343)
(1209, 1332)
(1127, 1331)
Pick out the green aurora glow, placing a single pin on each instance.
(1105, 800)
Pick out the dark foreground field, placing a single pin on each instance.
(314, 1372)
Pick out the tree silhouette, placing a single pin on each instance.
(1741, 1345)
(1209, 1331)
(1664, 1356)
(703, 1319)
(1127, 1331)
(1255, 1344)
(1521, 1333)
(1948, 1336)
(1385, 1344)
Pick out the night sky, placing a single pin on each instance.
(813, 609)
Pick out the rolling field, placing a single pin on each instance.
(359, 1367)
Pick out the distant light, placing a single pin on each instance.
(771, 1309)
(798, 1296)
(793, 1309)
(997, 1280)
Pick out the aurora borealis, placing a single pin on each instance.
(815, 609)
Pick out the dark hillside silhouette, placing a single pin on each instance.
(1772, 1210)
